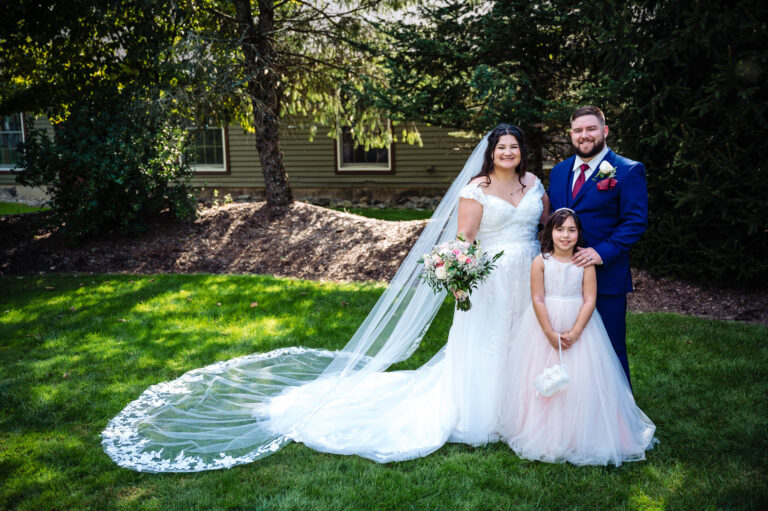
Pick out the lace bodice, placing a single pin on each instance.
(562, 280)
(504, 226)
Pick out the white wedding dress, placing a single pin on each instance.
(345, 402)
(395, 416)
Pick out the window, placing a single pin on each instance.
(357, 159)
(11, 133)
(210, 150)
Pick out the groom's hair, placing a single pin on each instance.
(588, 110)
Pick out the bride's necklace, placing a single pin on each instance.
(516, 190)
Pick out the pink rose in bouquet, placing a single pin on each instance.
(457, 267)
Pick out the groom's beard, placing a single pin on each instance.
(596, 148)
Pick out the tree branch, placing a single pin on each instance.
(315, 60)
(321, 14)
(220, 14)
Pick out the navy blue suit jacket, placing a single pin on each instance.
(613, 220)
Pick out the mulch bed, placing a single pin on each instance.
(300, 241)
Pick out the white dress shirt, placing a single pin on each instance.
(593, 164)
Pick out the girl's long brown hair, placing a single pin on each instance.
(557, 219)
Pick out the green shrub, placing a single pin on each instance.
(114, 164)
(685, 85)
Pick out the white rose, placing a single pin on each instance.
(441, 273)
(605, 168)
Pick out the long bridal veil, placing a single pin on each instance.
(220, 415)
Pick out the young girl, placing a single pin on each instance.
(594, 420)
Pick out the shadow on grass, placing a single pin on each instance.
(704, 383)
(122, 335)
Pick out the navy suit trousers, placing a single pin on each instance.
(613, 310)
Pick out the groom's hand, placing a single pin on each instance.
(586, 257)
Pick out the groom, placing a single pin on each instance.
(608, 193)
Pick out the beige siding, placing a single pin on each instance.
(311, 164)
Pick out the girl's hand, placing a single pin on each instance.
(570, 337)
(552, 337)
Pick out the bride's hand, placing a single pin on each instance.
(459, 294)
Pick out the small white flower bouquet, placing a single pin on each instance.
(457, 266)
(552, 379)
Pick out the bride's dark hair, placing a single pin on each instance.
(557, 219)
(493, 139)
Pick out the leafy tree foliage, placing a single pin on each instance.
(299, 60)
(98, 70)
(258, 62)
(475, 64)
(683, 84)
(112, 166)
(55, 54)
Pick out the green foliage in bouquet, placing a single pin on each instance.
(113, 165)
(458, 267)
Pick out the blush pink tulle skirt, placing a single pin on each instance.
(595, 420)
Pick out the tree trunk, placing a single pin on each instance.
(258, 51)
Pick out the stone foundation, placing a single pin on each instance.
(352, 198)
(23, 195)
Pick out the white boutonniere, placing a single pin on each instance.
(605, 171)
(605, 177)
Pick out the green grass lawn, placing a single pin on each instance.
(75, 349)
(389, 213)
(13, 208)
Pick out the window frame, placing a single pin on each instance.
(10, 169)
(362, 169)
(210, 170)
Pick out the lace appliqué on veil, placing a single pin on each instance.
(124, 443)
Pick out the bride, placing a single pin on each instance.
(344, 402)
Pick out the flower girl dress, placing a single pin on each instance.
(594, 420)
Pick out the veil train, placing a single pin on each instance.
(224, 414)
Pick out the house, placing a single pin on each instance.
(227, 161)
(13, 129)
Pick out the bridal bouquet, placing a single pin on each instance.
(457, 266)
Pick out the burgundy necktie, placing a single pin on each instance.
(580, 180)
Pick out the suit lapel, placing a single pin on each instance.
(592, 181)
(567, 189)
